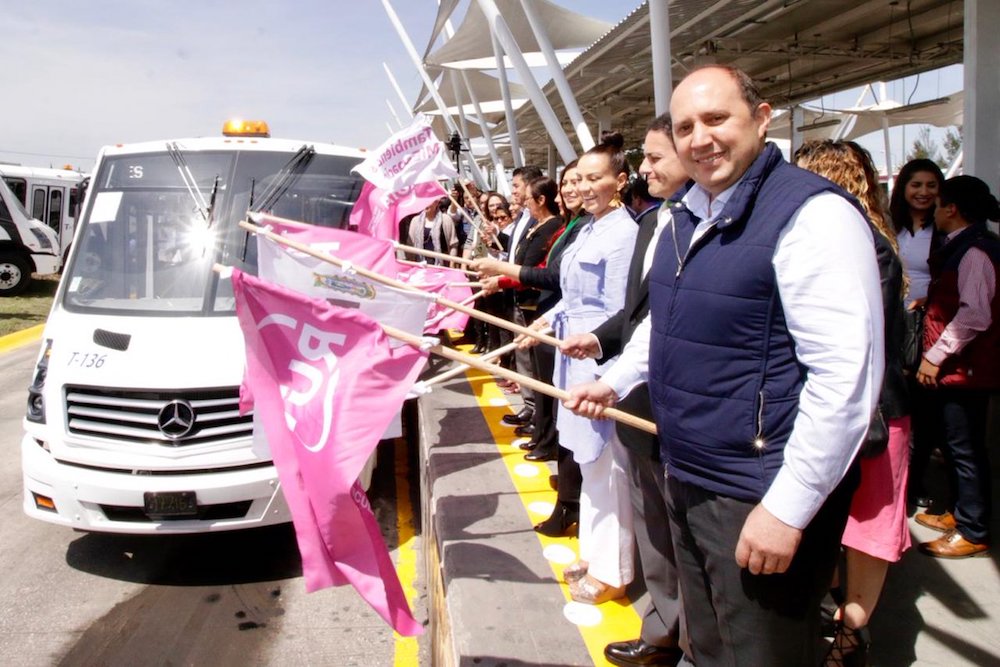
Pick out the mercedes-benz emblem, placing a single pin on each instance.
(176, 419)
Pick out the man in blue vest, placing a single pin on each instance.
(765, 359)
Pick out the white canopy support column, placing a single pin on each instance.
(659, 32)
(583, 134)
(502, 186)
(603, 119)
(395, 115)
(408, 45)
(552, 125)
(399, 91)
(798, 120)
(508, 108)
(980, 129)
(459, 104)
(888, 155)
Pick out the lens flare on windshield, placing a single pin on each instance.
(199, 238)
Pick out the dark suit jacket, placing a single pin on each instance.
(617, 331)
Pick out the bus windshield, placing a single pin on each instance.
(147, 247)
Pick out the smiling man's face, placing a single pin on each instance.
(716, 134)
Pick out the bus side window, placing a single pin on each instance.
(55, 208)
(38, 204)
(19, 187)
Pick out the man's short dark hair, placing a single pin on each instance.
(660, 124)
(528, 172)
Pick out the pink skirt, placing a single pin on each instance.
(877, 524)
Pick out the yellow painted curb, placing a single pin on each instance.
(618, 619)
(21, 338)
(407, 649)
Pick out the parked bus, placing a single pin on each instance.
(132, 423)
(26, 245)
(50, 195)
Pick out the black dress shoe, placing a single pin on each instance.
(520, 419)
(542, 455)
(526, 431)
(528, 445)
(638, 652)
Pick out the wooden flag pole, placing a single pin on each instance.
(524, 380)
(398, 284)
(431, 253)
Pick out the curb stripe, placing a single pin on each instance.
(21, 338)
(620, 619)
(407, 649)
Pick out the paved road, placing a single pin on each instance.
(70, 598)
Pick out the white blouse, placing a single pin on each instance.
(913, 252)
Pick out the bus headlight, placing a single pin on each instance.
(36, 403)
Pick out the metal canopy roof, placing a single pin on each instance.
(797, 50)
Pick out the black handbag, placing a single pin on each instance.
(877, 438)
(913, 339)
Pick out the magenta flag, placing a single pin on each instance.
(325, 383)
(445, 282)
(374, 254)
(377, 212)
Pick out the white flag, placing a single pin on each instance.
(411, 156)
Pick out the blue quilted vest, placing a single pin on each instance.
(724, 379)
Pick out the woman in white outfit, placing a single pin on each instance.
(593, 275)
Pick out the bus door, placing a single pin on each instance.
(49, 204)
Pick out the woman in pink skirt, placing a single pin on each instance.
(877, 533)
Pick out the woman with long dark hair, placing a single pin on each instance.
(912, 211)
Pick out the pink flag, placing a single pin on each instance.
(377, 212)
(444, 282)
(374, 254)
(326, 383)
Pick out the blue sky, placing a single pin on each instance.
(80, 75)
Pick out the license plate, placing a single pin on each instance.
(170, 503)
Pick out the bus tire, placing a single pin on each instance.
(15, 274)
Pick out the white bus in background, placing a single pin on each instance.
(26, 245)
(50, 195)
(132, 423)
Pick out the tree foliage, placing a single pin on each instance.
(926, 147)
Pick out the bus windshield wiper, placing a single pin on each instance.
(188, 179)
(284, 178)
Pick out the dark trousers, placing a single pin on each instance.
(570, 478)
(927, 434)
(961, 414)
(647, 490)
(523, 363)
(735, 618)
(546, 435)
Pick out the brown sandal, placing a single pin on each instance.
(591, 591)
(575, 572)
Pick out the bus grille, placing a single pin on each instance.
(169, 418)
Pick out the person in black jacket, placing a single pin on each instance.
(545, 278)
(657, 642)
(877, 531)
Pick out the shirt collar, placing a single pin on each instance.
(697, 200)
